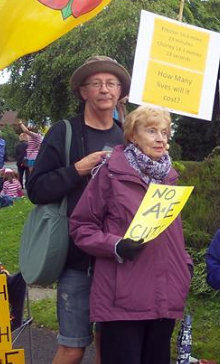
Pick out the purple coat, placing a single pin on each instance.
(154, 285)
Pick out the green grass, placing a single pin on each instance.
(205, 310)
(205, 314)
(44, 313)
(11, 222)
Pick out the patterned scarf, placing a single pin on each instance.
(148, 169)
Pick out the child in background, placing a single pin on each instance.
(34, 143)
(2, 172)
(11, 184)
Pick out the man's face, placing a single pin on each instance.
(101, 91)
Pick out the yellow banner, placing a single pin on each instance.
(30, 25)
(15, 356)
(158, 209)
(5, 326)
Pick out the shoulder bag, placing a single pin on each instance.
(45, 237)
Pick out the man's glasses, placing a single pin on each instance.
(98, 84)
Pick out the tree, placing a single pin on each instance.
(196, 138)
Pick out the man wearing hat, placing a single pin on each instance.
(100, 82)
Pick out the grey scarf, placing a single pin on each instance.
(148, 169)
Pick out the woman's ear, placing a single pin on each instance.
(132, 139)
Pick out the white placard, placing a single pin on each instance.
(175, 66)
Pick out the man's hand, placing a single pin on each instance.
(128, 248)
(86, 164)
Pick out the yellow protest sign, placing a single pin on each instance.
(7, 354)
(5, 327)
(173, 88)
(158, 209)
(15, 356)
(185, 50)
(177, 44)
(175, 66)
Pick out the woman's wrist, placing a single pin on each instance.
(20, 122)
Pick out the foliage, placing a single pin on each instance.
(199, 286)
(201, 218)
(11, 138)
(196, 138)
(179, 166)
(215, 152)
(175, 151)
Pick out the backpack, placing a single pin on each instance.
(2, 152)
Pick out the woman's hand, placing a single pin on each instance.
(127, 249)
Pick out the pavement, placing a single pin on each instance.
(40, 344)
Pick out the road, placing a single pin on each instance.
(43, 345)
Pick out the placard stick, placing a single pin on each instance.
(180, 16)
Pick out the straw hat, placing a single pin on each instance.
(99, 64)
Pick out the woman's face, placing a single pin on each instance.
(152, 140)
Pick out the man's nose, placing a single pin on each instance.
(103, 87)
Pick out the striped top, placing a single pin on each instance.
(34, 142)
(12, 189)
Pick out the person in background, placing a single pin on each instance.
(213, 262)
(2, 151)
(34, 143)
(98, 83)
(21, 158)
(2, 173)
(11, 185)
(16, 293)
(120, 110)
(138, 290)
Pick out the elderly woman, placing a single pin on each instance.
(138, 290)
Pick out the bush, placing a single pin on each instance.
(175, 151)
(200, 215)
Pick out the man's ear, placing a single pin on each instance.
(83, 92)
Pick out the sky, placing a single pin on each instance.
(4, 76)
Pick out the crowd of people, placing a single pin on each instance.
(134, 292)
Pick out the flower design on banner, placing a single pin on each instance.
(75, 8)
